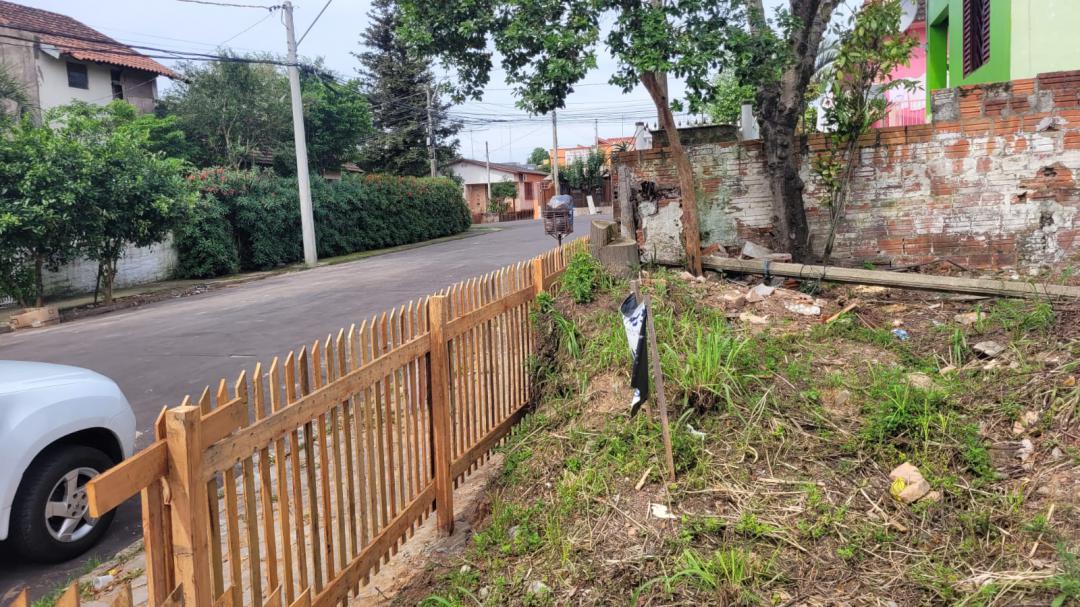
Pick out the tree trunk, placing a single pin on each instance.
(39, 279)
(781, 103)
(108, 277)
(656, 84)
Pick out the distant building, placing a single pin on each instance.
(474, 177)
(982, 41)
(60, 60)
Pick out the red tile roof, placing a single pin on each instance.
(76, 39)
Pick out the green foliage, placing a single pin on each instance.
(540, 157)
(396, 82)
(582, 277)
(337, 117)
(501, 192)
(205, 241)
(728, 97)
(586, 173)
(258, 212)
(12, 96)
(734, 572)
(132, 194)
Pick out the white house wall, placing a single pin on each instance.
(53, 83)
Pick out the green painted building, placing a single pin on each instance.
(979, 41)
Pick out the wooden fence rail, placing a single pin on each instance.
(291, 485)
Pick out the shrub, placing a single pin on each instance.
(205, 241)
(582, 277)
(262, 219)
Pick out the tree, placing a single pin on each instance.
(868, 53)
(43, 177)
(729, 96)
(231, 110)
(781, 60)
(397, 82)
(501, 191)
(549, 46)
(539, 157)
(132, 195)
(337, 119)
(587, 173)
(12, 96)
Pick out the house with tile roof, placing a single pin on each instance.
(60, 60)
(474, 176)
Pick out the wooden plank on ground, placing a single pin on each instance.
(924, 282)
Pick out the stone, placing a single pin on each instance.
(661, 511)
(753, 296)
(933, 496)
(1025, 451)
(908, 484)
(483, 593)
(755, 251)
(989, 349)
(763, 290)
(1029, 418)
(537, 588)
(803, 309)
(921, 381)
(733, 300)
(968, 318)
(754, 319)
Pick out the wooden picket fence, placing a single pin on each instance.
(291, 485)
(71, 597)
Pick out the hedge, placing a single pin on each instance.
(251, 221)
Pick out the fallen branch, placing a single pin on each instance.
(924, 282)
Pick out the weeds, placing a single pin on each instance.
(582, 277)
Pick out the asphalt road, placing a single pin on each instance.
(161, 352)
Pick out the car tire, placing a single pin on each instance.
(46, 484)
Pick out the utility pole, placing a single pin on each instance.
(596, 134)
(430, 133)
(307, 222)
(555, 152)
(487, 161)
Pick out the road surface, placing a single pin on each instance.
(163, 351)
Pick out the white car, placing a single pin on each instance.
(60, 426)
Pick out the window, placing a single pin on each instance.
(77, 78)
(527, 190)
(976, 34)
(117, 85)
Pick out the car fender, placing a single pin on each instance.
(29, 426)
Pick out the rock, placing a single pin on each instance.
(687, 276)
(465, 568)
(483, 593)
(763, 290)
(988, 349)
(733, 300)
(753, 319)
(921, 381)
(804, 309)
(968, 318)
(538, 588)
(1026, 450)
(755, 251)
(1029, 418)
(908, 484)
(1017, 428)
(1057, 453)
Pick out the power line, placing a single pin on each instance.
(304, 35)
(246, 30)
(230, 4)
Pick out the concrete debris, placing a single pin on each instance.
(1057, 453)
(804, 309)
(733, 300)
(537, 588)
(755, 251)
(989, 349)
(1017, 428)
(1025, 451)
(763, 290)
(754, 319)
(1029, 418)
(921, 381)
(661, 511)
(687, 276)
(483, 593)
(908, 484)
(968, 318)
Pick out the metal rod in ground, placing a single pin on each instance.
(661, 396)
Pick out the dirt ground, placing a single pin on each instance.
(786, 430)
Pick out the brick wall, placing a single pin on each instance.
(991, 184)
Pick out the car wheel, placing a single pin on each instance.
(50, 519)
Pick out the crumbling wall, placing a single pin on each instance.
(990, 184)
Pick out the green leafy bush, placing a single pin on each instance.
(582, 277)
(260, 213)
(205, 241)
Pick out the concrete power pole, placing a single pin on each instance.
(596, 134)
(307, 222)
(555, 152)
(430, 133)
(487, 162)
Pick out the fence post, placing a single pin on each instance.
(190, 517)
(439, 374)
(538, 275)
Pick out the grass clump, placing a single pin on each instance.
(582, 277)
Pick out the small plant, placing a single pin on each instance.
(582, 277)
(733, 572)
(1066, 583)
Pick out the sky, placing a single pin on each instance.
(191, 26)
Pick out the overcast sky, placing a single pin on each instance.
(172, 24)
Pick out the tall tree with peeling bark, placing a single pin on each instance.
(780, 58)
(548, 46)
